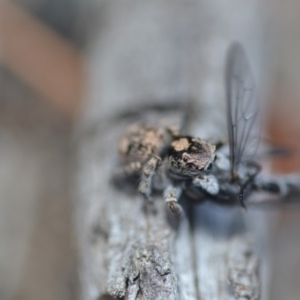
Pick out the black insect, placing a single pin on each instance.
(235, 169)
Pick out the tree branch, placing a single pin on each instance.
(124, 252)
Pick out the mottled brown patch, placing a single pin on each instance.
(153, 136)
(140, 141)
(207, 148)
(181, 144)
(127, 137)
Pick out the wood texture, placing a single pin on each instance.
(127, 253)
(153, 54)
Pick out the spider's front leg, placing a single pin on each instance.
(149, 170)
(208, 183)
(171, 196)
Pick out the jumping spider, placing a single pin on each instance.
(164, 160)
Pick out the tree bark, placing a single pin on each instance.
(125, 253)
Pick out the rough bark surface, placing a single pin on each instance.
(146, 53)
(128, 253)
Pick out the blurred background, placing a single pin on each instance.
(45, 73)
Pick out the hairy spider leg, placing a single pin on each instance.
(285, 186)
(171, 196)
(148, 171)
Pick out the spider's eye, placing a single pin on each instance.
(209, 166)
(185, 159)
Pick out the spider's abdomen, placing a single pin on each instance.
(140, 142)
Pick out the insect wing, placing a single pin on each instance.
(242, 108)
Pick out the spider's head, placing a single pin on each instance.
(189, 156)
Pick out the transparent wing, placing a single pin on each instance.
(242, 108)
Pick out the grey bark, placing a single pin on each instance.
(127, 253)
(147, 52)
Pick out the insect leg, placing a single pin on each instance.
(127, 170)
(284, 186)
(149, 169)
(250, 180)
(171, 196)
(208, 183)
